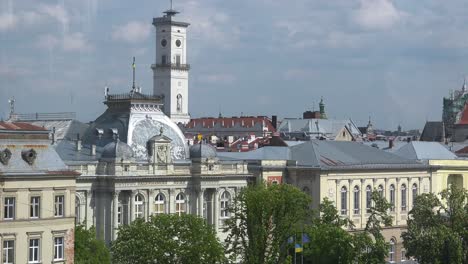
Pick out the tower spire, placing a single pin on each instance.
(12, 101)
(464, 85)
(133, 68)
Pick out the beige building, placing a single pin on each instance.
(346, 173)
(37, 196)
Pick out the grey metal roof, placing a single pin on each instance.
(419, 150)
(329, 155)
(117, 150)
(46, 159)
(67, 151)
(433, 131)
(202, 151)
(64, 129)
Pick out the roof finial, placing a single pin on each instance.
(464, 84)
(171, 4)
(170, 12)
(133, 67)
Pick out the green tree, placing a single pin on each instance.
(438, 228)
(167, 239)
(262, 218)
(89, 249)
(331, 243)
(370, 244)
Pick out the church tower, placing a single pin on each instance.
(170, 71)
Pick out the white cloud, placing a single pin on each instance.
(377, 14)
(8, 21)
(57, 12)
(132, 32)
(218, 78)
(69, 42)
(75, 42)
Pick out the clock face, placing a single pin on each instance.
(178, 43)
(163, 43)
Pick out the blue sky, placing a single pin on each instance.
(392, 60)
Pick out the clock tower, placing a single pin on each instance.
(170, 71)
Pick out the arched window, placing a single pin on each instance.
(225, 200)
(344, 200)
(77, 210)
(414, 191)
(368, 198)
(139, 206)
(179, 103)
(391, 252)
(159, 202)
(180, 204)
(392, 198)
(380, 190)
(403, 198)
(356, 199)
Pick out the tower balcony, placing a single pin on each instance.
(172, 66)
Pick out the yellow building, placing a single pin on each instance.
(37, 197)
(448, 172)
(347, 173)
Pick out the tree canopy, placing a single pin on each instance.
(262, 219)
(89, 249)
(167, 239)
(438, 227)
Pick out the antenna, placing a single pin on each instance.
(134, 66)
(171, 4)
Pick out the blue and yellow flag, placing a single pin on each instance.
(298, 248)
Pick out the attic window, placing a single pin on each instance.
(126, 167)
(5, 156)
(29, 156)
(344, 134)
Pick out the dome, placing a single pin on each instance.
(202, 151)
(117, 150)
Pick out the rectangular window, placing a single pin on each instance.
(35, 207)
(119, 214)
(178, 59)
(403, 255)
(58, 248)
(59, 205)
(163, 59)
(9, 208)
(8, 252)
(34, 250)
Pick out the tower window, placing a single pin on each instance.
(179, 103)
(178, 59)
(163, 59)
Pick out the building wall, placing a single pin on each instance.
(449, 168)
(329, 185)
(47, 226)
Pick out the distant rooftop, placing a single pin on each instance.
(43, 116)
(19, 126)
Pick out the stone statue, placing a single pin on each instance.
(161, 154)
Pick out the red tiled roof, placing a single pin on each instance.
(464, 116)
(462, 151)
(228, 122)
(18, 126)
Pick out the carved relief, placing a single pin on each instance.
(5, 156)
(29, 156)
(161, 154)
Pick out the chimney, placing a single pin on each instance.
(78, 142)
(390, 143)
(274, 121)
(53, 136)
(93, 150)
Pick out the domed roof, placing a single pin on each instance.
(117, 150)
(202, 151)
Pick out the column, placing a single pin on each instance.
(397, 201)
(215, 209)
(363, 203)
(115, 206)
(200, 202)
(171, 200)
(151, 196)
(132, 206)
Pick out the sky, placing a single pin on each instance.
(392, 60)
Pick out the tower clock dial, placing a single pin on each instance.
(164, 42)
(178, 43)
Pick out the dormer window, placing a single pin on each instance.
(29, 156)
